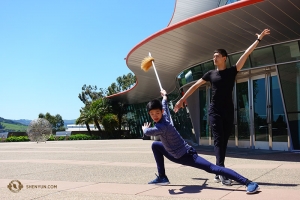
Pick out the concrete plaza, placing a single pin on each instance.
(121, 169)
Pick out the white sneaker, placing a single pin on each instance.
(224, 180)
(216, 179)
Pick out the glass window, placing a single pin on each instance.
(234, 58)
(181, 79)
(287, 52)
(207, 66)
(228, 62)
(289, 75)
(203, 115)
(189, 76)
(260, 57)
(243, 118)
(197, 72)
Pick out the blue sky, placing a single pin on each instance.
(50, 49)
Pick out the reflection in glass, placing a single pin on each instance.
(289, 75)
(197, 72)
(279, 127)
(234, 58)
(287, 52)
(208, 66)
(260, 122)
(260, 57)
(243, 119)
(203, 115)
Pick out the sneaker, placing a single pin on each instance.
(224, 180)
(252, 187)
(216, 179)
(160, 181)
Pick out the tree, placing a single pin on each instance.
(56, 121)
(85, 118)
(119, 109)
(124, 82)
(97, 106)
(98, 109)
(89, 93)
(113, 89)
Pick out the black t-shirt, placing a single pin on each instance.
(222, 83)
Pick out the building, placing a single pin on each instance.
(267, 90)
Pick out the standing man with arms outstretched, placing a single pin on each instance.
(221, 111)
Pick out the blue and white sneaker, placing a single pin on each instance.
(160, 180)
(252, 187)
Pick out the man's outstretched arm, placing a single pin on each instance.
(240, 63)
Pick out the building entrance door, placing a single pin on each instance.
(269, 122)
(242, 114)
(259, 119)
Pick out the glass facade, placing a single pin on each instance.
(290, 84)
(262, 57)
(195, 73)
(269, 116)
(287, 52)
(234, 58)
(204, 128)
(243, 118)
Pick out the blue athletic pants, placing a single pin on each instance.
(192, 159)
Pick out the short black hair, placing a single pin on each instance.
(154, 104)
(223, 52)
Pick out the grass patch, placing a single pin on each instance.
(14, 127)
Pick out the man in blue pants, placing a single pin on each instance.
(176, 149)
(221, 111)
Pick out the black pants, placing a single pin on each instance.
(221, 127)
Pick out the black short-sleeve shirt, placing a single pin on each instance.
(222, 83)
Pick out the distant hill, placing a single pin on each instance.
(9, 121)
(21, 124)
(23, 121)
(11, 125)
(27, 122)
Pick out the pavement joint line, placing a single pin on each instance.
(236, 189)
(158, 186)
(268, 172)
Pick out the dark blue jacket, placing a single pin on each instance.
(169, 136)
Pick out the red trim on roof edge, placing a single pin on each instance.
(136, 83)
(206, 14)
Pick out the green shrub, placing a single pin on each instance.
(17, 139)
(110, 122)
(55, 138)
(82, 137)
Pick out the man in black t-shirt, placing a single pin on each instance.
(221, 111)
